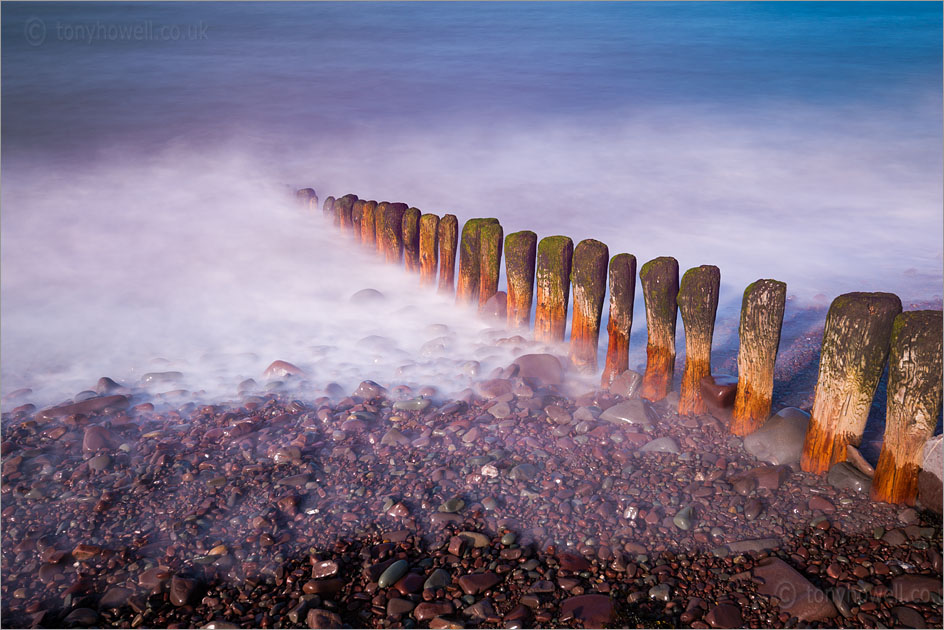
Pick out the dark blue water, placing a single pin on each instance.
(326, 69)
(800, 141)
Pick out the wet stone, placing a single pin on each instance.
(428, 610)
(595, 611)
(393, 573)
(724, 616)
(660, 592)
(915, 588)
(475, 583)
(501, 410)
(780, 439)
(182, 590)
(321, 618)
(684, 518)
(626, 384)
(546, 369)
(628, 412)
(524, 472)
(397, 607)
(719, 389)
(452, 506)
(99, 463)
(573, 563)
(661, 445)
(845, 476)
(752, 509)
(797, 595)
(115, 597)
(908, 617)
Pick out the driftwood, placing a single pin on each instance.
(429, 248)
(448, 244)
(660, 284)
(467, 287)
(914, 404)
(620, 325)
(520, 252)
(490, 253)
(554, 258)
(391, 233)
(853, 354)
(698, 304)
(410, 230)
(759, 335)
(588, 276)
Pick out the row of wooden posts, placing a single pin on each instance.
(861, 330)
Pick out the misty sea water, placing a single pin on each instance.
(800, 141)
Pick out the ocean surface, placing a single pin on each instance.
(148, 148)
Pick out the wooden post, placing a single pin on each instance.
(328, 209)
(660, 284)
(369, 224)
(307, 197)
(853, 354)
(490, 253)
(588, 275)
(411, 239)
(520, 251)
(342, 211)
(448, 243)
(759, 334)
(620, 325)
(467, 288)
(391, 236)
(357, 215)
(429, 242)
(698, 304)
(914, 403)
(554, 259)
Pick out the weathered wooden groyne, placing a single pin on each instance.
(864, 332)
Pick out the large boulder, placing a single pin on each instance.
(797, 595)
(780, 440)
(545, 368)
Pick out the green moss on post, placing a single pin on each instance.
(914, 404)
(520, 252)
(588, 277)
(448, 244)
(554, 258)
(698, 304)
(620, 325)
(490, 253)
(854, 351)
(467, 288)
(411, 239)
(429, 248)
(660, 283)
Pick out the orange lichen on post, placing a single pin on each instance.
(448, 244)
(855, 347)
(588, 277)
(467, 287)
(554, 259)
(914, 404)
(490, 253)
(759, 337)
(660, 285)
(698, 305)
(307, 197)
(429, 248)
(620, 325)
(411, 239)
(390, 233)
(342, 211)
(520, 252)
(369, 224)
